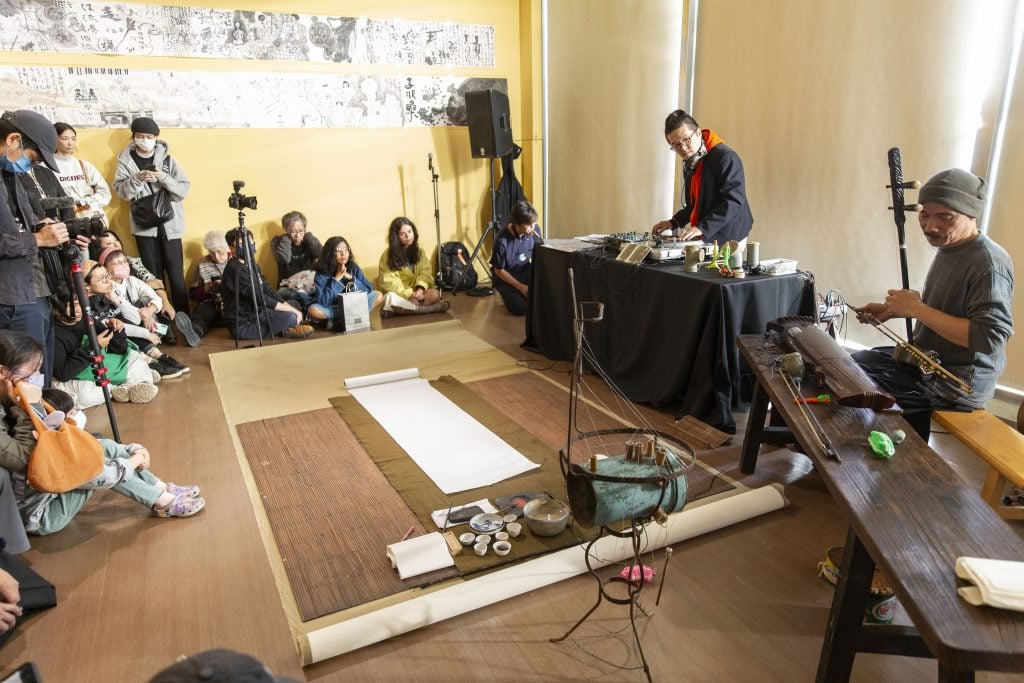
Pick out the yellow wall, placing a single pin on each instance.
(348, 182)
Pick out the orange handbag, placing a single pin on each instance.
(64, 458)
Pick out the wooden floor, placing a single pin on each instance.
(137, 592)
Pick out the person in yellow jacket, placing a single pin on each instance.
(405, 273)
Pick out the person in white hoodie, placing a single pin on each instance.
(146, 167)
(78, 177)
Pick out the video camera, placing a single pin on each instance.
(239, 201)
(62, 209)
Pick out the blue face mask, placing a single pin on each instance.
(22, 165)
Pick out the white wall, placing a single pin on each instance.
(812, 94)
(613, 77)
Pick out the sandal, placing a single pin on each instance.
(190, 491)
(183, 506)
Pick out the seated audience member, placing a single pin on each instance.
(512, 258)
(405, 273)
(131, 377)
(206, 292)
(78, 177)
(65, 403)
(125, 470)
(296, 252)
(259, 310)
(106, 303)
(169, 314)
(964, 312)
(337, 272)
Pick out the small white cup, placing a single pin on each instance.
(501, 536)
(509, 518)
(483, 538)
(502, 547)
(514, 529)
(467, 539)
(481, 549)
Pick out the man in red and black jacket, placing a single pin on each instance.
(714, 194)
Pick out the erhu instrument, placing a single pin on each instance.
(899, 209)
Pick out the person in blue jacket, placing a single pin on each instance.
(336, 273)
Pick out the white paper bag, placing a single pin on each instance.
(357, 311)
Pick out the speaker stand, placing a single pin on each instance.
(492, 227)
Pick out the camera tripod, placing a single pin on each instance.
(70, 253)
(64, 264)
(492, 229)
(245, 245)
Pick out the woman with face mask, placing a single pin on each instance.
(144, 168)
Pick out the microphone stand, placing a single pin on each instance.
(492, 228)
(434, 177)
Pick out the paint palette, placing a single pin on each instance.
(486, 523)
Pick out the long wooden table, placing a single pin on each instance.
(912, 516)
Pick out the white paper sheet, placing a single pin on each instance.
(420, 555)
(530, 575)
(454, 450)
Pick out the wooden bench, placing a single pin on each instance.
(999, 445)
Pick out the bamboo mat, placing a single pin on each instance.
(331, 510)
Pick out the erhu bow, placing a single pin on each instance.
(906, 353)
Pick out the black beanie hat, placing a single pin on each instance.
(959, 190)
(144, 124)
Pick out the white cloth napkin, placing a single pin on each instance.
(997, 583)
(420, 555)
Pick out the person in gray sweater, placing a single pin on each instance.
(963, 313)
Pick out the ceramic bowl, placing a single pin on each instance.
(501, 536)
(514, 529)
(502, 547)
(546, 516)
(480, 549)
(467, 539)
(483, 538)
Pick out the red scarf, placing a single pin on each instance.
(711, 140)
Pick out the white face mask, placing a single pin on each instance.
(32, 388)
(145, 144)
(79, 417)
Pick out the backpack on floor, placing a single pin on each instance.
(453, 260)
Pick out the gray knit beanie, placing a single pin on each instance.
(959, 190)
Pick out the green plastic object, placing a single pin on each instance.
(881, 445)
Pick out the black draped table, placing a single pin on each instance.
(668, 337)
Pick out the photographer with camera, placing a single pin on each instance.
(27, 139)
(151, 179)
